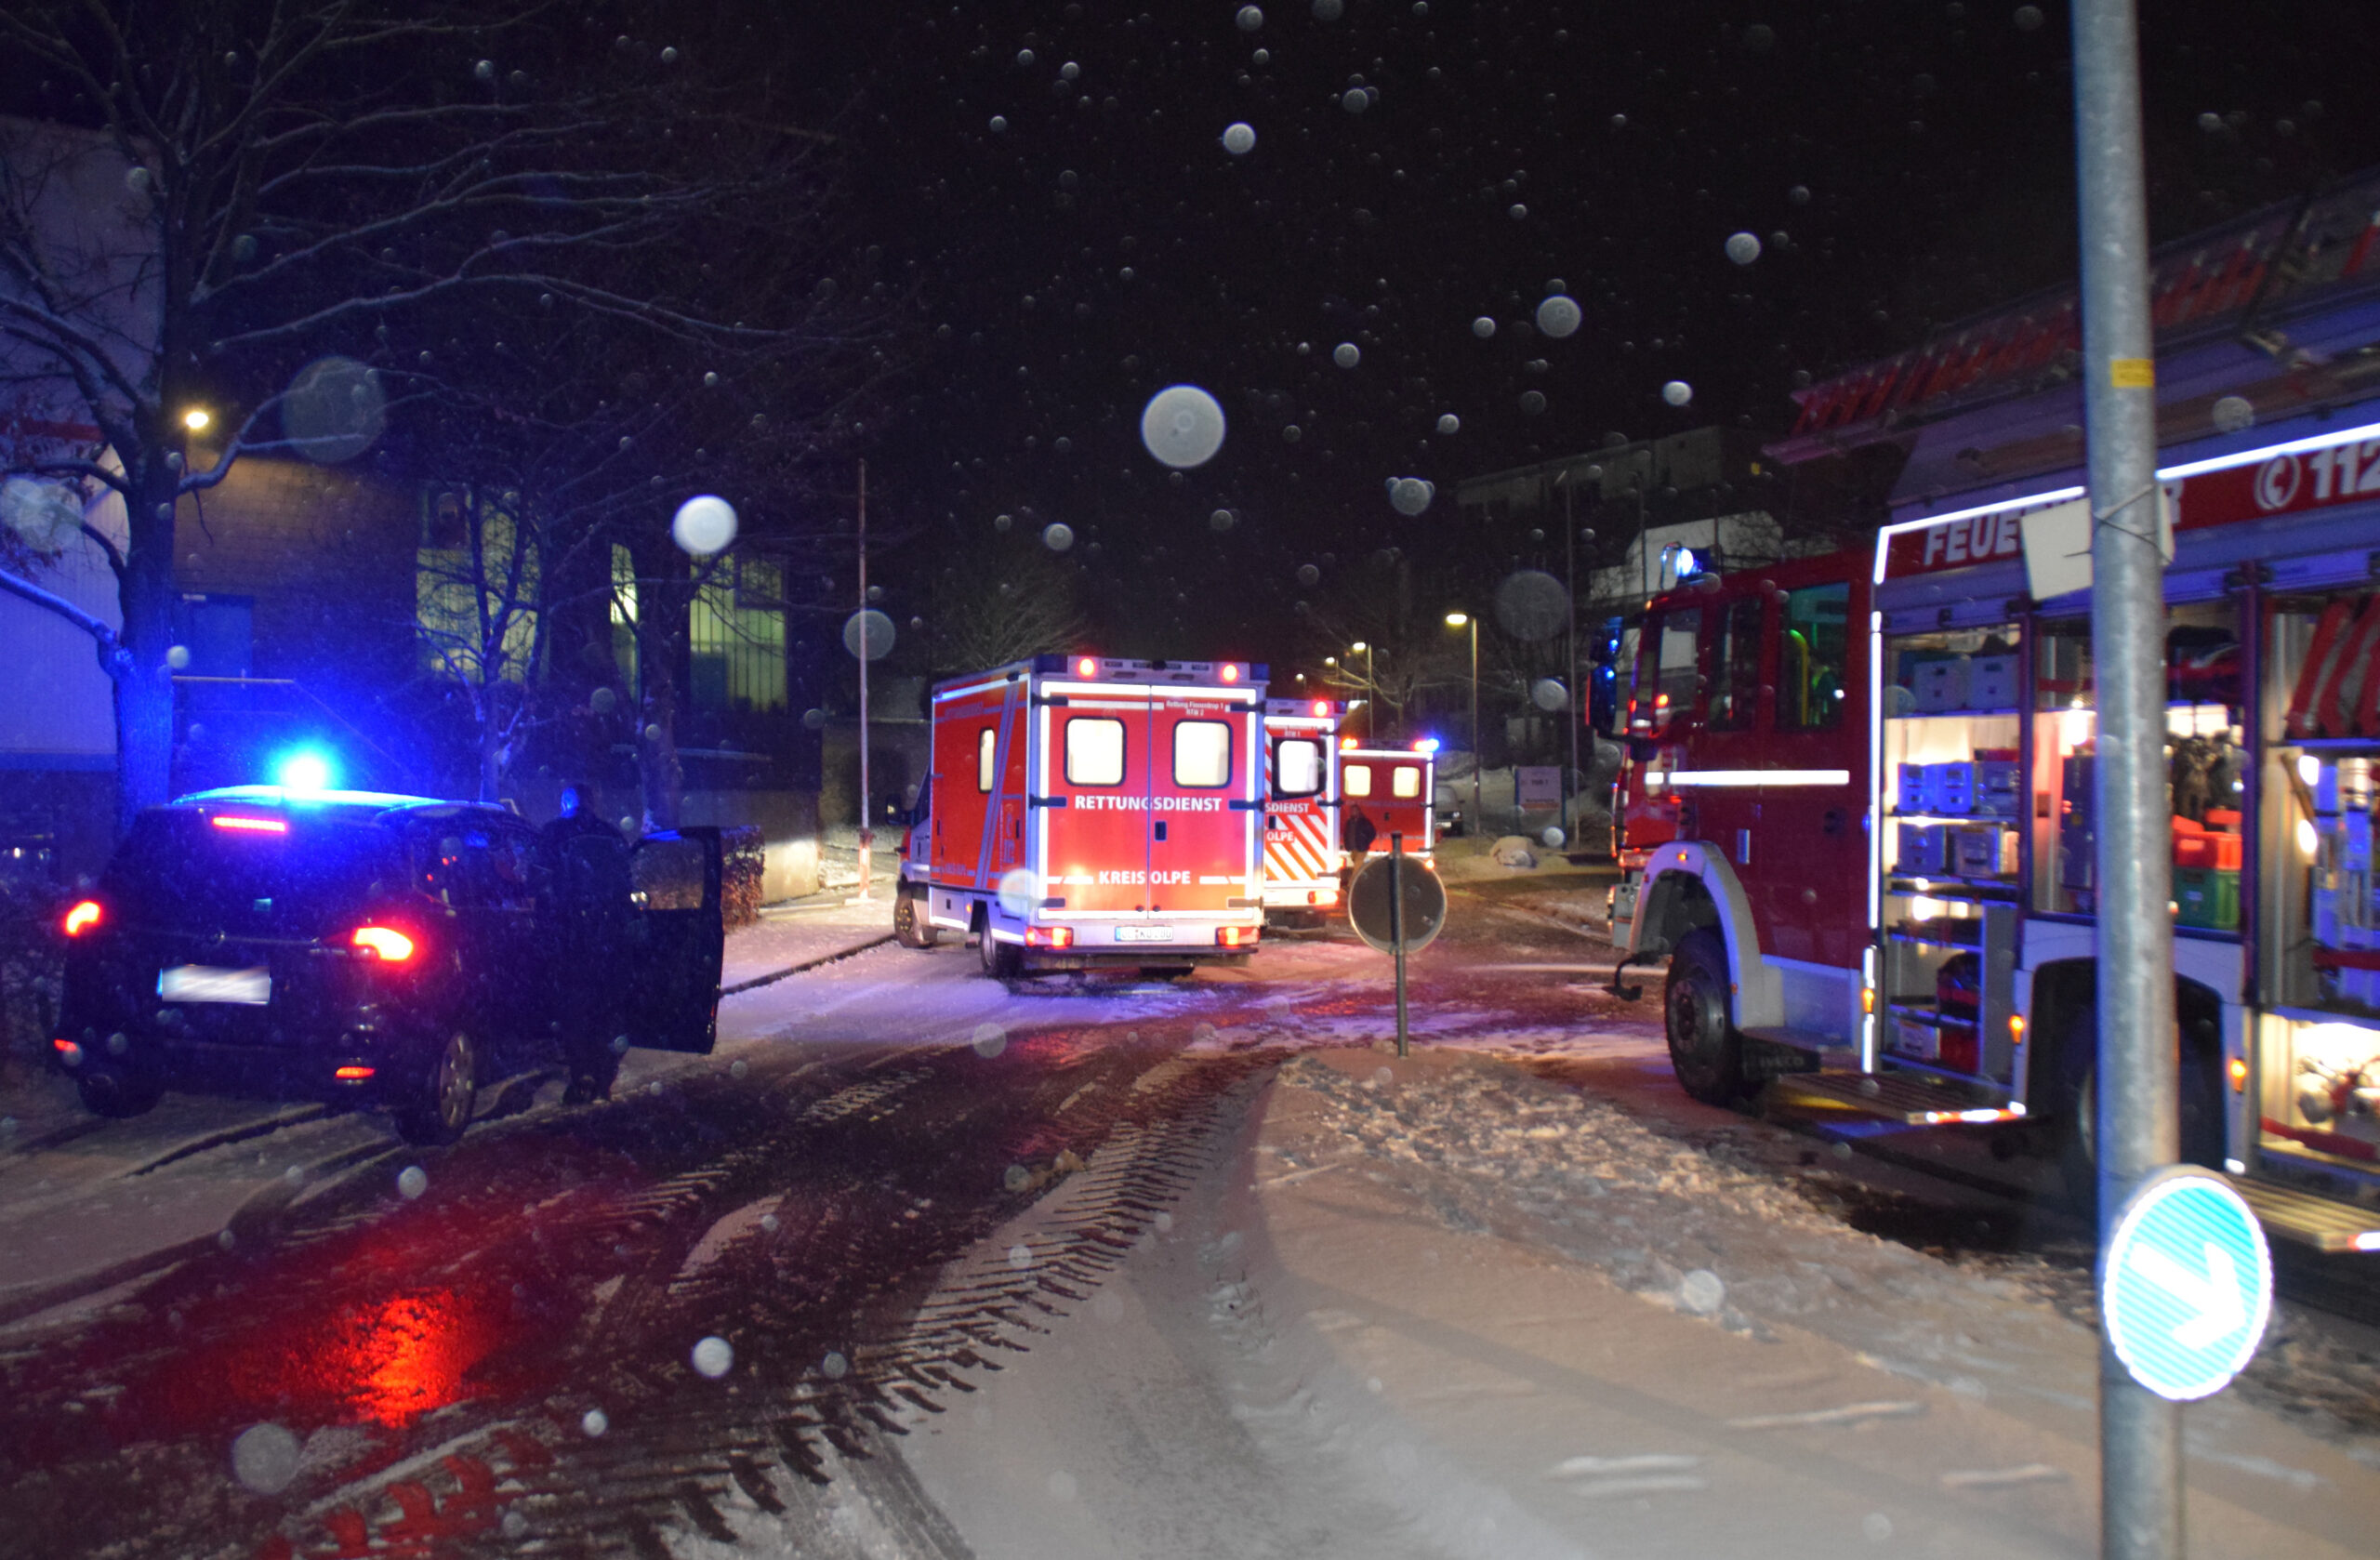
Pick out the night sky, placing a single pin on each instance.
(1080, 237)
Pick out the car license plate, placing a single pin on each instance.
(1145, 934)
(207, 982)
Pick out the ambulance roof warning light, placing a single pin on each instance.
(1087, 667)
(1345, 743)
(1230, 673)
(1322, 706)
(1427, 745)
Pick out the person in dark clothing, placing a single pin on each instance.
(1361, 832)
(592, 912)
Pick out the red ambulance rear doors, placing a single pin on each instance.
(1095, 794)
(1206, 785)
(1300, 842)
(1390, 789)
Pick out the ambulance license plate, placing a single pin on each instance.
(1145, 934)
(207, 982)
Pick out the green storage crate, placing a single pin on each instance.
(2206, 896)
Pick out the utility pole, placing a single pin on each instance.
(2140, 1442)
(866, 811)
(1574, 711)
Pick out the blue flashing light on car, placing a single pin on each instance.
(305, 770)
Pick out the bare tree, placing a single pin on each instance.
(301, 178)
(990, 612)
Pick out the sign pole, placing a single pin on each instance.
(1396, 933)
(866, 815)
(2140, 1431)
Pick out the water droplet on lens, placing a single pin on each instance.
(703, 525)
(1410, 495)
(1347, 354)
(1057, 537)
(835, 1365)
(714, 1357)
(595, 1423)
(1482, 327)
(2233, 413)
(1743, 249)
(1019, 1257)
(989, 1040)
(1183, 426)
(1016, 1178)
(1559, 316)
(1356, 100)
(1250, 18)
(264, 1458)
(1551, 838)
(1308, 574)
(1549, 694)
(412, 1182)
(1450, 423)
(1239, 139)
(1677, 393)
(2027, 19)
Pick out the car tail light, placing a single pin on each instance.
(1237, 937)
(82, 917)
(352, 1073)
(249, 825)
(383, 943)
(1049, 936)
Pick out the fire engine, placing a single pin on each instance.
(1394, 789)
(1085, 812)
(1857, 811)
(1302, 849)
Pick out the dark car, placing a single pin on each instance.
(395, 951)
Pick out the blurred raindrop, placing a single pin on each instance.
(1799, 194)
(2233, 413)
(1347, 354)
(1450, 423)
(999, 123)
(264, 1458)
(989, 1040)
(703, 525)
(602, 701)
(1308, 574)
(1016, 890)
(1221, 520)
(1328, 10)
(333, 410)
(595, 1423)
(714, 1357)
(1057, 535)
(1677, 393)
(1743, 249)
(1239, 139)
(1552, 837)
(178, 656)
(1001, 522)
(412, 1182)
(835, 1365)
(1250, 18)
(1183, 426)
(1704, 1291)
(1759, 38)
(1549, 694)
(1531, 604)
(1356, 100)
(1410, 495)
(1482, 327)
(1291, 434)
(1016, 1178)
(2027, 19)
(1020, 1257)
(870, 631)
(1559, 316)
(1532, 401)
(814, 719)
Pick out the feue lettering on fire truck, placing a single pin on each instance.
(1858, 816)
(1391, 790)
(1302, 848)
(1088, 810)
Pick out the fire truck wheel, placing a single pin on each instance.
(910, 928)
(1706, 1050)
(1002, 961)
(2198, 1087)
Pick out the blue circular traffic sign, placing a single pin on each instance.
(2185, 1284)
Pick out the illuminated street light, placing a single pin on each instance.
(197, 419)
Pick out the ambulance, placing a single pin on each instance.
(1393, 789)
(1302, 849)
(1086, 812)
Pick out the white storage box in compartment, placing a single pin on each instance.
(1984, 851)
(1924, 850)
(1912, 794)
(1991, 683)
(1950, 788)
(1998, 787)
(1919, 1042)
(1940, 685)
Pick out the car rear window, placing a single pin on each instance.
(176, 870)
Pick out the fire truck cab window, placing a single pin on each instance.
(1095, 751)
(1356, 780)
(1404, 781)
(1811, 652)
(1669, 673)
(1202, 753)
(1297, 766)
(1738, 660)
(986, 750)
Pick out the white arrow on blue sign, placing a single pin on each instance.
(2185, 1284)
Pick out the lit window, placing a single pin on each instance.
(1202, 753)
(1297, 766)
(1356, 780)
(1404, 781)
(986, 750)
(1095, 751)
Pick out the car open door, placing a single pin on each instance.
(673, 992)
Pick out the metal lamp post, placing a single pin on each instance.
(1464, 620)
(1371, 690)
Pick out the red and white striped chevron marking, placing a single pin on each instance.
(1299, 853)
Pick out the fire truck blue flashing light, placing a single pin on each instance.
(1684, 561)
(1427, 745)
(303, 771)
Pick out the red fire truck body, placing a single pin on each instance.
(1857, 811)
(1087, 811)
(1302, 848)
(1396, 789)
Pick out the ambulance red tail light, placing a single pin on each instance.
(1087, 667)
(385, 943)
(238, 825)
(1236, 936)
(82, 918)
(1049, 936)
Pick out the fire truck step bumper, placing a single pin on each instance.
(1911, 1099)
(2303, 1219)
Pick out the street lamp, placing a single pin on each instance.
(197, 419)
(1371, 690)
(1464, 620)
